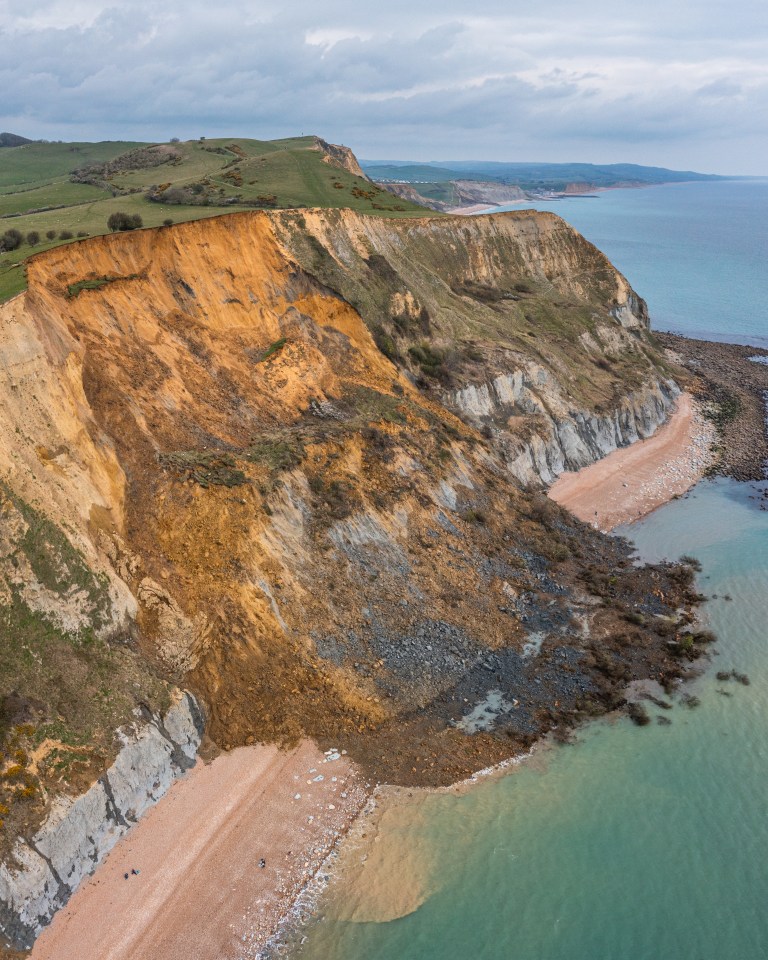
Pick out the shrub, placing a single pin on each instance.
(50, 234)
(11, 240)
(385, 343)
(66, 235)
(206, 469)
(33, 238)
(272, 349)
(120, 221)
(168, 222)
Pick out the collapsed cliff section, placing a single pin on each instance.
(287, 513)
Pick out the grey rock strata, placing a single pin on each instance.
(46, 869)
(563, 438)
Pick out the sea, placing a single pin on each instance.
(632, 843)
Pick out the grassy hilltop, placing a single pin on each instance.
(73, 188)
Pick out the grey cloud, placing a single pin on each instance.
(406, 79)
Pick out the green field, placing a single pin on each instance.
(38, 164)
(210, 177)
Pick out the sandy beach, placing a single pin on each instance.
(632, 481)
(473, 208)
(199, 890)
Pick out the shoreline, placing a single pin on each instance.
(634, 481)
(476, 208)
(199, 878)
(200, 890)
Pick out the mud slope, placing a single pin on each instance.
(262, 432)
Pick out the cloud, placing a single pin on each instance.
(601, 81)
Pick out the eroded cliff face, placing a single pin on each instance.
(465, 193)
(513, 321)
(340, 156)
(563, 438)
(279, 455)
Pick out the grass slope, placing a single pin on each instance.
(37, 193)
(38, 164)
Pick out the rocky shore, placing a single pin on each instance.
(736, 385)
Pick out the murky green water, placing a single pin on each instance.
(636, 844)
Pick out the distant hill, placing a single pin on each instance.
(12, 140)
(57, 192)
(417, 172)
(530, 176)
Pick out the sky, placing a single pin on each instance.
(683, 85)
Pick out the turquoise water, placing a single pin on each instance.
(697, 252)
(637, 843)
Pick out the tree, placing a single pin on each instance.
(11, 240)
(50, 234)
(119, 221)
(33, 238)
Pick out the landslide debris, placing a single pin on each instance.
(295, 522)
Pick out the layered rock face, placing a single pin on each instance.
(292, 462)
(565, 439)
(465, 193)
(45, 869)
(537, 337)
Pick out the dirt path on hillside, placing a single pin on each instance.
(200, 891)
(631, 482)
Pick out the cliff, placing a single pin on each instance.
(291, 462)
(480, 191)
(514, 321)
(341, 157)
(47, 868)
(459, 193)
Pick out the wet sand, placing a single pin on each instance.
(200, 891)
(633, 481)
